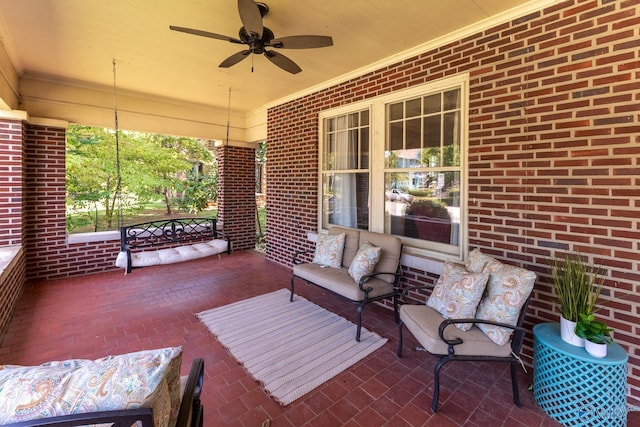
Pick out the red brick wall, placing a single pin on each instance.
(11, 216)
(553, 150)
(236, 194)
(49, 255)
(12, 161)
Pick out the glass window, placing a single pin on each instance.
(396, 164)
(345, 174)
(423, 168)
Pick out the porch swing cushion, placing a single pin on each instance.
(172, 255)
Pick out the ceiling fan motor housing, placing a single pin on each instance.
(256, 45)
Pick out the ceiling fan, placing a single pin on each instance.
(258, 38)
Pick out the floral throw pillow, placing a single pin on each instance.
(329, 249)
(507, 290)
(365, 261)
(477, 262)
(145, 379)
(457, 293)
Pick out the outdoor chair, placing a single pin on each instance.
(470, 317)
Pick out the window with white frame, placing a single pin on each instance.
(396, 164)
(345, 170)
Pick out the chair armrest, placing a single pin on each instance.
(124, 417)
(190, 413)
(366, 277)
(296, 260)
(447, 322)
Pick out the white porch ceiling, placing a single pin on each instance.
(75, 41)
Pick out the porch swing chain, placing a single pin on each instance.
(118, 199)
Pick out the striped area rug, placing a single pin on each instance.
(289, 347)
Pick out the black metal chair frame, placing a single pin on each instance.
(517, 340)
(361, 284)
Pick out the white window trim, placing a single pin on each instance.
(377, 123)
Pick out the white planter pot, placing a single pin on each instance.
(568, 334)
(596, 350)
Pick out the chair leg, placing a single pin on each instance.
(396, 314)
(400, 324)
(436, 383)
(514, 383)
(359, 329)
(292, 279)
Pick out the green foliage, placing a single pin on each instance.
(198, 191)
(429, 208)
(577, 286)
(421, 192)
(591, 330)
(152, 167)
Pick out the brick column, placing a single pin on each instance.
(236, 193)
(12, 177)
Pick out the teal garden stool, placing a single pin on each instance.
(575, 388)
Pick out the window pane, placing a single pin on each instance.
(413, 133)
(364, 118)
(345, 200)
(353, 120)
(364, 148)
(451, 139)
(331, 125)
(329, 155)
(414, 108)
(452, 99)
(424, 205)
(395, 136)
(396, 111)
(432, 104)
(341, 122)
(432, 131)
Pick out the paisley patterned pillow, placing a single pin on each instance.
(507, 290)
(329, 250)
(145, 379)
(457, 293)
(365, 261)
(477, 261)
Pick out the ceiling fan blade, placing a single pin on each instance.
(302, 42)
(250, 16)
(234, 59)
(282, 61)
(204, 34)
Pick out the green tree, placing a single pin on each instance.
(151, 166)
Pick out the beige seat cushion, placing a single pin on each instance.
(339, 281)
(423, 322)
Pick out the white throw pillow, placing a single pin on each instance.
(365, 261)
(329, 249)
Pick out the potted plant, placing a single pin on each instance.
(577, 288)
(596, 335)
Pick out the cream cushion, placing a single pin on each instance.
(172, 255)
(423, 322)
